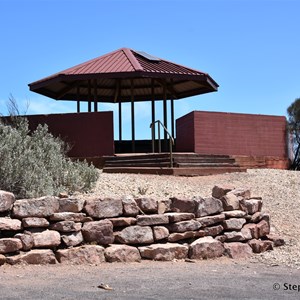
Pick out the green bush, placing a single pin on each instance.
(35, 164)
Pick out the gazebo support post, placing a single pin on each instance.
(89, 96)
(78, 98)
(172, 118)
(95, 96)
(120, 121)
(165, 119)
(153, 114)
(132, 117)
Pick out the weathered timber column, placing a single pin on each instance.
(165, 148)
(90, 96)
(153, 114)
(172, 118)
(120, 121)
(78, 98)
(132, 117)
(95, 96)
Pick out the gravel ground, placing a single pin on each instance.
(278, 188)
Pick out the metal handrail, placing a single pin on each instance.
(171, 139)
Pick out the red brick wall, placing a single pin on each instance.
(233, 134)
(90, 134)
(185, 133)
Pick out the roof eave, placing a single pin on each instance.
(67, 77)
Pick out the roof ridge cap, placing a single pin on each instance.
(132, 59)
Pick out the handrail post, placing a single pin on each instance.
(171, 153)
(171, 140)
(153, 137)
(159, 141)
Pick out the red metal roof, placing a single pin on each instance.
(126, 60)
(124, 64)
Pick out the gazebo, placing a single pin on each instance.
(126, 75)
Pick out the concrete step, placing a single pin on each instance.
(204, 171)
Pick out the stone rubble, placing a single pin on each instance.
(52, 230)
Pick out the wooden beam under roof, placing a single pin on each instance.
(66, 89)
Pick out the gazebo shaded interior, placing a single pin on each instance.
(126, 75)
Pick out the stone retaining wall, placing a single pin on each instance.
(70, 230)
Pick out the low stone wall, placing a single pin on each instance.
(70, 230)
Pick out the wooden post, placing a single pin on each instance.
(132, 117)
(90, 96)
(120, 121)
(95, 96)
(153, 114)
(172, 118)
(165, 119)
(78, 98)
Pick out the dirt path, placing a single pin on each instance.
(215, 279)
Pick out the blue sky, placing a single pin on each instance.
(250, 47)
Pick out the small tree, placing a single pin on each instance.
(294, 128)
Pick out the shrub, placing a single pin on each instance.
(35, 164)
(294, 128)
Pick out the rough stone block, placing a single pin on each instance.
(258, 216)
(72, 239)
(244, 193)
(10, 224)
(230, 202)
(47, 238)
(122, 253)
(100, 232)
(147, 220)
(6, 201)
(174, 237)
(205, 247)
(234, 236)
(135, 235)
(130, 207)
(263, 228)
(178, 217)
(208, 206)
(8, 245)
(221, 190)
(183, 226)
(213, 230)
(66, 226)
(233, 223)
(42, 207)
(160, 233)
(163, 206)
(35, 222)
(87, 254)
(26, 239)
(71, 205)
(33, 257)
(104, 208)
(251, 206)
(164, 252)
(211, 220)
(247, 232)
(183, 205)
(123, 221)
(238, 250)
(234, 214)
(147, 205)
(259, 246)
(70, 216)
(276, 239)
